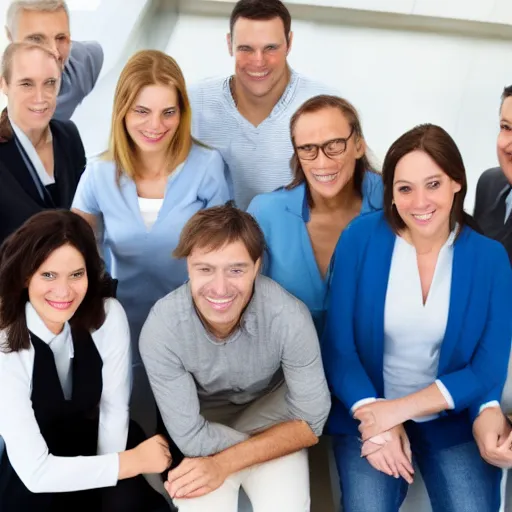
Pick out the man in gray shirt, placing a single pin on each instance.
(234, 363)
(47, 22)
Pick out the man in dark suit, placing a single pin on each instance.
(493, 202)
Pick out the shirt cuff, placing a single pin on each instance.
(487, 405)
(362, 402)
(446, 394)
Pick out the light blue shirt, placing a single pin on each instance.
(283, 216)
(141, 258)
(79, 77)
(258, 157)
(508, 205)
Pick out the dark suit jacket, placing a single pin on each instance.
(19, 198)
(490, 208)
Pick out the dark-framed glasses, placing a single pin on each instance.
(330, 148)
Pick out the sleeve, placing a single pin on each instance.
(115, 349)
(491, 399)
(345, 373)
(38, 469)
(487, 370)
(308, 396)
(215, 187)
(86, 198)
(176, 394)
(257, 209)
(91, 56)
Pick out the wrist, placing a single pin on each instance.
(403, 409)
(130, 464)
(224, 463)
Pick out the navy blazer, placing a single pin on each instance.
(476, 346)
(19, 198)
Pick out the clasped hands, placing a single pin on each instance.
(385, 442)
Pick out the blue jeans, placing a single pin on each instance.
(456, 477)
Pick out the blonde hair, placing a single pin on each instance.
(6, 73)
(17, 6)
(145, 68)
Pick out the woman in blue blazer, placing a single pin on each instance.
(417, 337)
(333, 183)
(142, 192)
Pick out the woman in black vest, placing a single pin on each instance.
(41, 160)
(65, 378)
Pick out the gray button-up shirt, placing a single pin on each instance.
(187, 367)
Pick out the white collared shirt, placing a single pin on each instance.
(39, 470)
(32, 154)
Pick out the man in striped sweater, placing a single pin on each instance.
(246, 116)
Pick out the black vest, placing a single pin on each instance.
(69, 427)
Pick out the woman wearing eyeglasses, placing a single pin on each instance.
(333, 183)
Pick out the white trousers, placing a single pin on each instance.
(280, 485)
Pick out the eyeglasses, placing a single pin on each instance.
(330, 148)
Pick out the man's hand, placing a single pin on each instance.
(393, 458)
(195, 477)
(493, 435)
(378, 417)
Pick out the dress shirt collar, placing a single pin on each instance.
(32, 154)
(36, 325)
(508, 202)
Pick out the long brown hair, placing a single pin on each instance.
(316, 104)
(8, 57)
(24, 251)
(438, 145)
(148, 67)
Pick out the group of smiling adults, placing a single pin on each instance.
(233, 279)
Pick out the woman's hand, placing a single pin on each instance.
(378, 417)
(153, 455)
(394, 457)
(493, 435)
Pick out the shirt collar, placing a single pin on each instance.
(36, 325)
(283, 101)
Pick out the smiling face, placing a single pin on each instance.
(504, 146)
(327, 176)
(153, 118)
(260, 50)
(423, 195)
(32, 89)
(58, 287)
(221, 283)
(50, 29)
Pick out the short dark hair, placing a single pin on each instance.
(25, 250)
(507, 93)
(261, 10)
(316, 104)
(214, 227)
(438, 145)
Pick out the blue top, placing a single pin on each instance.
(79, 77)
(141, 259)
(283, 215)
(476, 344)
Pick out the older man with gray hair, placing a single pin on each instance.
(47, 22)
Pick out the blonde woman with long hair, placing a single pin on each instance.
(154, 177)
